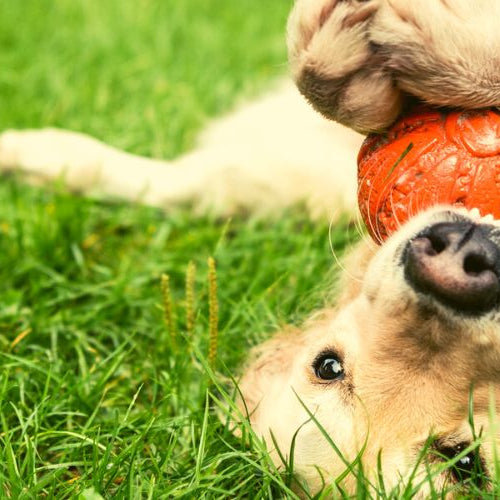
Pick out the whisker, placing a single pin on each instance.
(369, 221)
(336, 258)
(395, 216)
(361, 228)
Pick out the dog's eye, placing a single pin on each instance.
(469, 468)
(328, 366)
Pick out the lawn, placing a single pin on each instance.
(99, 395)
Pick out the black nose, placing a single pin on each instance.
(457, 264)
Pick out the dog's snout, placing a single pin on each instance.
(456, 263)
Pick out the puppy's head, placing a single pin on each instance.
(393, 364)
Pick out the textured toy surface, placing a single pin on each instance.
(429, 157)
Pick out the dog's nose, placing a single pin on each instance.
(457, 264)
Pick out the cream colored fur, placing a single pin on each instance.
(409, 362)
(266, 156)
(357, 61)
(409, 367)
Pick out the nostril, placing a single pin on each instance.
(438, 244)
(475, 264)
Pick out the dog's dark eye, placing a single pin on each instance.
(469, 468)
(328, 366)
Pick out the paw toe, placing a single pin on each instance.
(9, 146)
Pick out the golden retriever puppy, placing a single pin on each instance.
(416, 328)
(416, 331)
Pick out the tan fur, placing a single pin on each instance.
(410, 366)
(266, 156)
(356, 62)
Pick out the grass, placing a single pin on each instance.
(97, 396)
(100, 393)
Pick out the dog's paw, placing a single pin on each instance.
(48, 152)
(9, 150)
(335, 67)
(445, 52)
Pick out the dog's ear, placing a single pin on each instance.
(266, 378)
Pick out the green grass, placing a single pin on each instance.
(97, 395)
(94, 395)
(97, 380)
(143, 75)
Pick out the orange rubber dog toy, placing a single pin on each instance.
(427, 158)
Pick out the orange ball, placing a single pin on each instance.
(427, 158)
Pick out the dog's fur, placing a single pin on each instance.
(409, 362)
(409, 366)
(445, 52)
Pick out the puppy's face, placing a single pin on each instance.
(394, 363)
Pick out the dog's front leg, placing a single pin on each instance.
(446, 52)
(84, 164)
(335, 67)
(358, 61)
(268, 155)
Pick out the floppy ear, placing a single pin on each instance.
(266, 376)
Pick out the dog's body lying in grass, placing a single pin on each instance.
(416, 326)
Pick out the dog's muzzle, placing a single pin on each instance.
(456, 263)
